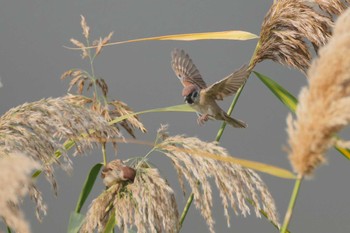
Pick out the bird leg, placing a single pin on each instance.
(203, 118)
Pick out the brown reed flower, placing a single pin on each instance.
(100, 43)
(81, 78)
(118, 109)
(38, 130)
(147, 204)
(15, 183)
(323, 105)
(114, 109)
(288, 27)
(235, 184)
(85, 27)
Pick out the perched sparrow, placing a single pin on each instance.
(117, 172)
(203, 98)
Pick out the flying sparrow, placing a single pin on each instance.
(203, 98)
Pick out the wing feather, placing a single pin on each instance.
(185, 70)
(229, 85)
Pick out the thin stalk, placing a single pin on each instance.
(232, 106)
(235, 99)
(104, 155)
(145, 157)
(91, 59)
(186, 209)
(222, 128)
(264, 214)
(291, 205)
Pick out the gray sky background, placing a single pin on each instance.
(32, 59)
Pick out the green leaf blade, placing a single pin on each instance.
(344, 151)
(280, 92)
(291, 102)
(87, 187)
(75, 222)
(110, 224)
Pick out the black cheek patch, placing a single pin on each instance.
(188, 99)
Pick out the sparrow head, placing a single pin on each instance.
(117, 172)
(191, 94)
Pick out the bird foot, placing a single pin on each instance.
(203, 118)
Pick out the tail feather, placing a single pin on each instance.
(235, 122)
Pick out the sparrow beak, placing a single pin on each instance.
(188, 99)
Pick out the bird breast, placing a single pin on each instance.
(205, 106)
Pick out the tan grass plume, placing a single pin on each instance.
(81, 79)
(40, 128)
(148, 203)
(323, 108)
(15, 183)
(110, 111)
(100, 43)
(235, 183)
(290, 25)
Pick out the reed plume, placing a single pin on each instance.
(111, 110)
(323, 108)
(235, 183)
(100, 43)
(84, 80)
(39, 129)
(290, 25)
(15, 182)
(144, 201)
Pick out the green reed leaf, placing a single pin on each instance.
(110, 224)
(291, 102)
(87, 187)
(75, 222)
(281, 93)
(344, 151)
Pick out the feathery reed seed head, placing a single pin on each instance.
(38, 130)
(147, 204)
(235, 183)
(114, 110)
(323, 108)
(98, 43)
(15, 183)
(85, 27)
(290, 24)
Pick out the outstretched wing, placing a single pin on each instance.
(185, 70)
(229, 85)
